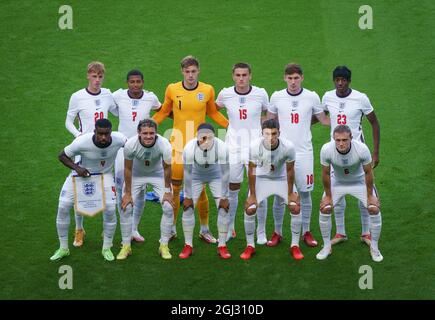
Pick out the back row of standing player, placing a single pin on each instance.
(295, 107)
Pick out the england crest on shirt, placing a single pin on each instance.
(89, 188)
(242, 100)
(342, 105)
(97, 102)
(345, 161)
(295, 104)
(200, 96)
(135, 103)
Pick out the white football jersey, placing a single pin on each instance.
(206, 164)
(272, 163)
(347, 167)
(93, 158)
(349, 110)
(131, 110)
(294, 114)
(147, 161)
(244, 115)
(88, 108)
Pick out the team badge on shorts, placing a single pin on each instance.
(242, 100)
(89, 188)
(200, 96)
(97, 102)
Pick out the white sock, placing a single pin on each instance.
(188, 226)
(250, 229)
(223, 222)
(234, 202)
(139, 206)
(79, 221)
(296, 222)
(306, 208)
(364, 218)
(339, 209)
(261, 217)
(125, 218)
(325, 228)
(278, 213)
(375, 229)
(62, 223)
(166, 223)
(109, 226)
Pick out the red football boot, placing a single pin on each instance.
(223, 252)
(309, 239)
(273, 242)
(187, 252)
(296, 253)
(249, 251)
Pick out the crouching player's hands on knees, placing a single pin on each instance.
(251, 205)
(224, 203)
(126, 200)
(169, 198)
(373, 204)
(326, 205)
(293, 203)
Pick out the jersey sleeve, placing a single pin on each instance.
(317, 105)
(113, 107)
(324, 158)
(291, 154)
(73, 149)
(264, 100)
(366, 105)
(272, 105)
(167, 153)
(323, 103)
(220, 99)
(128, 149)
(71, 115)
(166, 109)
(155, 102)
(213, 113)
(366, 157)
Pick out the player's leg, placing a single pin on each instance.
(79, 234)
(296, 225)
(177, 181)
(203, 211)
(365, 223)
(223, 219)
(326, 226)
(167, 219)
(236, 178)
(261, 219)
(109, 217)
(188, 220)
(339, 210)
(278, 219)
(119, 177)
(66, 199)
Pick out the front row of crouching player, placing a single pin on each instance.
(346, 170)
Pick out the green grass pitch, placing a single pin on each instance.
(41, 66)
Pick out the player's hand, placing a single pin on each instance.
(373, 204)
(326, 205)
(82, 172)
(375, 160)
(170, 198)
(187, 203)
(293, 203)
(251, 204)
(224, 203)
(126, 200)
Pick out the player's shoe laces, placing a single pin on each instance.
(79, 237)
(376, 255)
(137, 237)
(223, 252)
(164, 252)
(366, 238)
(296, 253)
(187, 252)
(275, 240)
(124, 253)
(207, 237)
(107, 254)
(248, 253)
(338, 238)
(231, 235)
(309, 239)
(59, 254)
(261, 238)
(324, 253)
